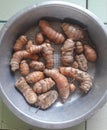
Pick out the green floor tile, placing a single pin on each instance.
(9, 7)
(99, 120)
(1, 105)
(99, 7)
(11, 122)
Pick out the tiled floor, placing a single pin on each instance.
(10, 121)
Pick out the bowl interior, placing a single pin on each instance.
(77, 106)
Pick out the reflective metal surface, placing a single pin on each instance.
(77, 108)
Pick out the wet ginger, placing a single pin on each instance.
(18, 56)
(82, 62)
(24, 68)
(72, 87)
(29, 44)
(48, 55)
(26, 90)
(43, 85)
(20, 42)
(44, 91)
(33, 49)
(61, 83)
(67, 51)
(90, 53)
(75, 32)
(36, 65)
(39, 38)
(46, 100)
(75, 65)
(34, 76)
(51, 33)
(79, 47)
(83, 77)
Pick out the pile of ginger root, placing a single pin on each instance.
(40, 83)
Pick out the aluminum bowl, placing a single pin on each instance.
(76, 109)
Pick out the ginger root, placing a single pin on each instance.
(48, 55)
(75, 65)
(26, 90)
(61, 82)
(39, 38)
(18, 56)
(34, 76)
(79, 47)
(29, 44)
(46, 100)
(82, 62)
(90, 53)
(75, 32)
(24, 68)
(51, 33)
(34, 49)
(72, 87)
(74, 55)
(43, 85)
(67, 52)
(36, 65)
(20, 42)
(83, 77)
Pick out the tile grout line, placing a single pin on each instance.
(2, 116)
(85, 125)
(3, 21)
(86, 4)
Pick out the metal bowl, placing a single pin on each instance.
(77, 108)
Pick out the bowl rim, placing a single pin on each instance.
(25, 117)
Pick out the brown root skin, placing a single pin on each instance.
(90, 53)
(16, 59)
(33, 57)
(24, 68)
(61, 82)
(48, 55)
(72, 87)
(34, 77)
(43, 85)
(20, 42)
(46, 100)
(83, 77)
(29, 44)
(18, 56)
(36, 65)
(79, 47)
(67, 52)
(39, 38)
(75, 65)
(33, 49)
(50, 33)
(82, 62)
(47, 41)
(75, 32)
(26, 90)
